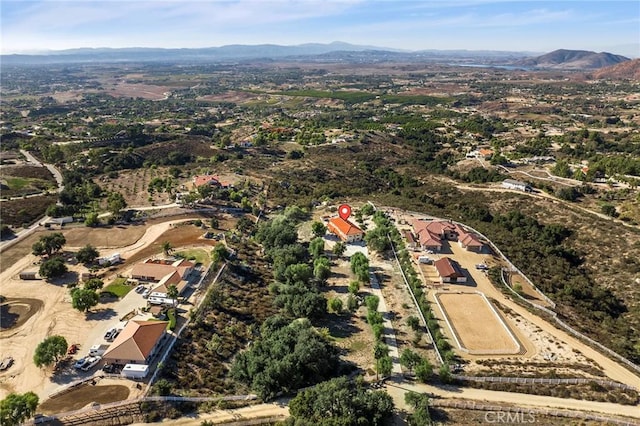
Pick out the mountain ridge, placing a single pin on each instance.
(628, 70)
(561, 59)
(567, 59)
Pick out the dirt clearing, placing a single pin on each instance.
(82, 396)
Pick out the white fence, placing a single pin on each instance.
(542, 380)
(571, 330)
(561, 323)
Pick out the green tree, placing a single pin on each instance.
(94, 284)
(287, 356)
(372, 302)
(318, 229)
(92, 219)
(49, 244)
(53, 268)
(354, 287)
(424, 370)
(16, 408)
(377, 239)
(6, 232)
(49, 351)
(219, 253)
(340, 402)
(384, 366)
(214, 223)
(336, 305)
(163, 387)
(413, 322)
(420, 404)
(352, 303)
(115, 203)
(172, 293)
(360, 266)
(367, 210)
(87, 254)
(316, 247)
(339, 248)
(445, 373)
(166, 248)
(83, 299)
(321, 269)
(409, 359)
(609, 210)
(380, 350)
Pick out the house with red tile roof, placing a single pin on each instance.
(213, 180)
(205, 180)
(470, 242)
(137, 343)
(412, 243)
(154, 270)
(345, 230)
(430, 233)
(449, 271)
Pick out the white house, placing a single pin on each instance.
(517, 185)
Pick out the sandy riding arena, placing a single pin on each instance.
(477, 327)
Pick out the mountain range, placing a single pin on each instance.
(331, 52)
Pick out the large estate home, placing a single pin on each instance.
(429, 235)
(138, 342)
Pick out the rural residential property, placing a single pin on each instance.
(346, 230)
(348, 213)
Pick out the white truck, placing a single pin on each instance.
(98, 350)
(424, 259)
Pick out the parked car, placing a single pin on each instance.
(140, 289)
(73, 349)
(110, 335)
(109, 368)
(146, 293)
(482, 267)
(81, 362)
(91, 362)
(6, 363)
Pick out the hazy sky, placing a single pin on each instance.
(538, 26)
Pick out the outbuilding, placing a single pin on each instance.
(135, 371)
(517, 185)
(449, 271)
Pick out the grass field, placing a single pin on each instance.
(118, 287)
(197, 255)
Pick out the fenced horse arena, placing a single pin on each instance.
(477, 328)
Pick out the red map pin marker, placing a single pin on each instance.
(344, 211)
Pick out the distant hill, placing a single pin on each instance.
(628, 70)
(332, 52)
(563, 59)
(232, 52)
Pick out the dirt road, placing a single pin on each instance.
(273, 411)
(397, 390)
